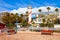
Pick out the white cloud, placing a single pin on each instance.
(14, 11)
(34, 10)
(20, 10)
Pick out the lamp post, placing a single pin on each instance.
(16, 24)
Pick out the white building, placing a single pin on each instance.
(38, 20)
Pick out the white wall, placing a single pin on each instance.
(57, 26)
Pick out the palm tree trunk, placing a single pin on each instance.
(40, 12)
(48, 12)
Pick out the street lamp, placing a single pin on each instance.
(16, 23)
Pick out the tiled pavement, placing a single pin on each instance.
(29, 36)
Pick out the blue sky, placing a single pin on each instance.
(8, 5)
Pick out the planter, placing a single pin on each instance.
(11, 28)
(48, 32)
(11, 31)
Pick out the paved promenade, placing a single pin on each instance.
(29, 36)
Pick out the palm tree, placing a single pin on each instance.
(56, 10)
(40, 10)
(24, 23)
(16, 14)
(21, 15)
(48, 8)
(26, 13)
